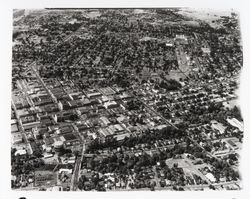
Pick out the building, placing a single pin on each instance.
(104, 132)
(107, 91)
(72, 160)
(45, 178)
(14, 128)
(105, 120)
(60, 106)
(17, 138)
(211, 177)
(181, 39)
(206, 50)
(94, 95)
(236, 123)
(111, 104)
(48, 155)
(69, 171)
(20, 152)
(218, 126)
(31, 125)
(58, 146)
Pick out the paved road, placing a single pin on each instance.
(23, 88)
(78, 163)
(76, 174)
(77, 168)
(43, 84)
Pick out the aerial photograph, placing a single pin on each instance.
(126, 99)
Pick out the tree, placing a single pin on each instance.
(175, 165)
(211, 187)
(232, 157)
(162, 163)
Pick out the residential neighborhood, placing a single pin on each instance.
(125, 100)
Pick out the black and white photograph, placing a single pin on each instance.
(126, 99)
